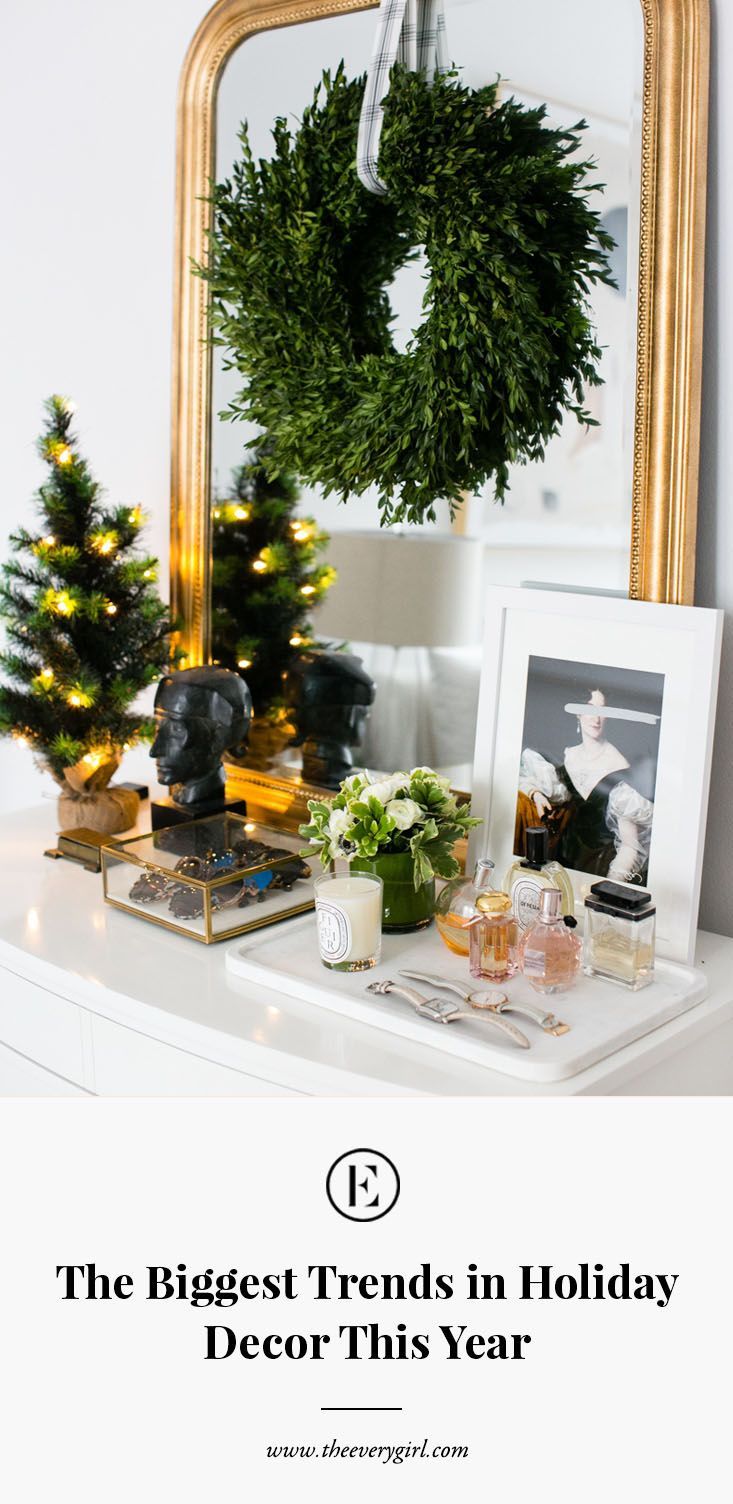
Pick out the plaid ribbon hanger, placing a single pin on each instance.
(411, 32)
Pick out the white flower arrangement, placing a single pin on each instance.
(406, 812)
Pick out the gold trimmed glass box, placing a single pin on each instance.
(211, 878)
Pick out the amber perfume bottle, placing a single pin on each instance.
(549, 951)
(456, 906)
(619, 935)
(493, 935)
(527, 878)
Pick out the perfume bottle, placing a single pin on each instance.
(527, 878)
(493, 938)
(456, 906)
(620, 927)
(549, 951)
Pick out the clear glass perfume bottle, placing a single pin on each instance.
(455, 906)
(493, 938)
(620, 927)
(549, 951)
(527, 877)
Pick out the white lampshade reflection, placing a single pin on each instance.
(403, 590)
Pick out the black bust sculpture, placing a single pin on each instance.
(201, 713)
(329, 695)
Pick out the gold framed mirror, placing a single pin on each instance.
(666, 240)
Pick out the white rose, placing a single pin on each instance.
(386, 789)
(405, 812)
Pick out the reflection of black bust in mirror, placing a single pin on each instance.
(201, 713)
(329, 695)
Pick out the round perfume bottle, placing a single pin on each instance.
(527, 877)
(493, 935)
(549, 951)
(455, 906)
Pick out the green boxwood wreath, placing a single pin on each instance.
(301, 254)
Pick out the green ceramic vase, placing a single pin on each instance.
(405, 907)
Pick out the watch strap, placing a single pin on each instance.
(441, 1011)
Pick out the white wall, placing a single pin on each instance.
(715, 532)
(87, 126)
(87, 137)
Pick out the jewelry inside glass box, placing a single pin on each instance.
(211, 878)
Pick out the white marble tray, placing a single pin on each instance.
(603, 1017)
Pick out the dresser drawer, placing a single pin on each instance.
(20, 1077)
(42, 1026)
(130, 1064)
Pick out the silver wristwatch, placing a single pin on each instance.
(493, 1002)
(440, 1011)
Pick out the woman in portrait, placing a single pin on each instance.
(596, 803)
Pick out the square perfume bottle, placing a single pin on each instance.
(620, 926)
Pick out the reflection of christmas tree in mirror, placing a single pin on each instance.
(267, 575)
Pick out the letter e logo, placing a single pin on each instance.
(362, 1185)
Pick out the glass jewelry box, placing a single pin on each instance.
(211, 878)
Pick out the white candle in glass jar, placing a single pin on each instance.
(349, 918)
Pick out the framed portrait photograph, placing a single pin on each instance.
(595, 721)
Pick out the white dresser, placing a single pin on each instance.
(93, 1001)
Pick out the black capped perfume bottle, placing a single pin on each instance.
(529, 876)
(620, 925)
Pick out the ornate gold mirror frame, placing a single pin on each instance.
(670, 296)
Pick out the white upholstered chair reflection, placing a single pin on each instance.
(410, 606)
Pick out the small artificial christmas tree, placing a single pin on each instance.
(85, 633)
(266, 579)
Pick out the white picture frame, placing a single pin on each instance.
(629, 640)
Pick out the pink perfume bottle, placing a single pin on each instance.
(550, 951)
